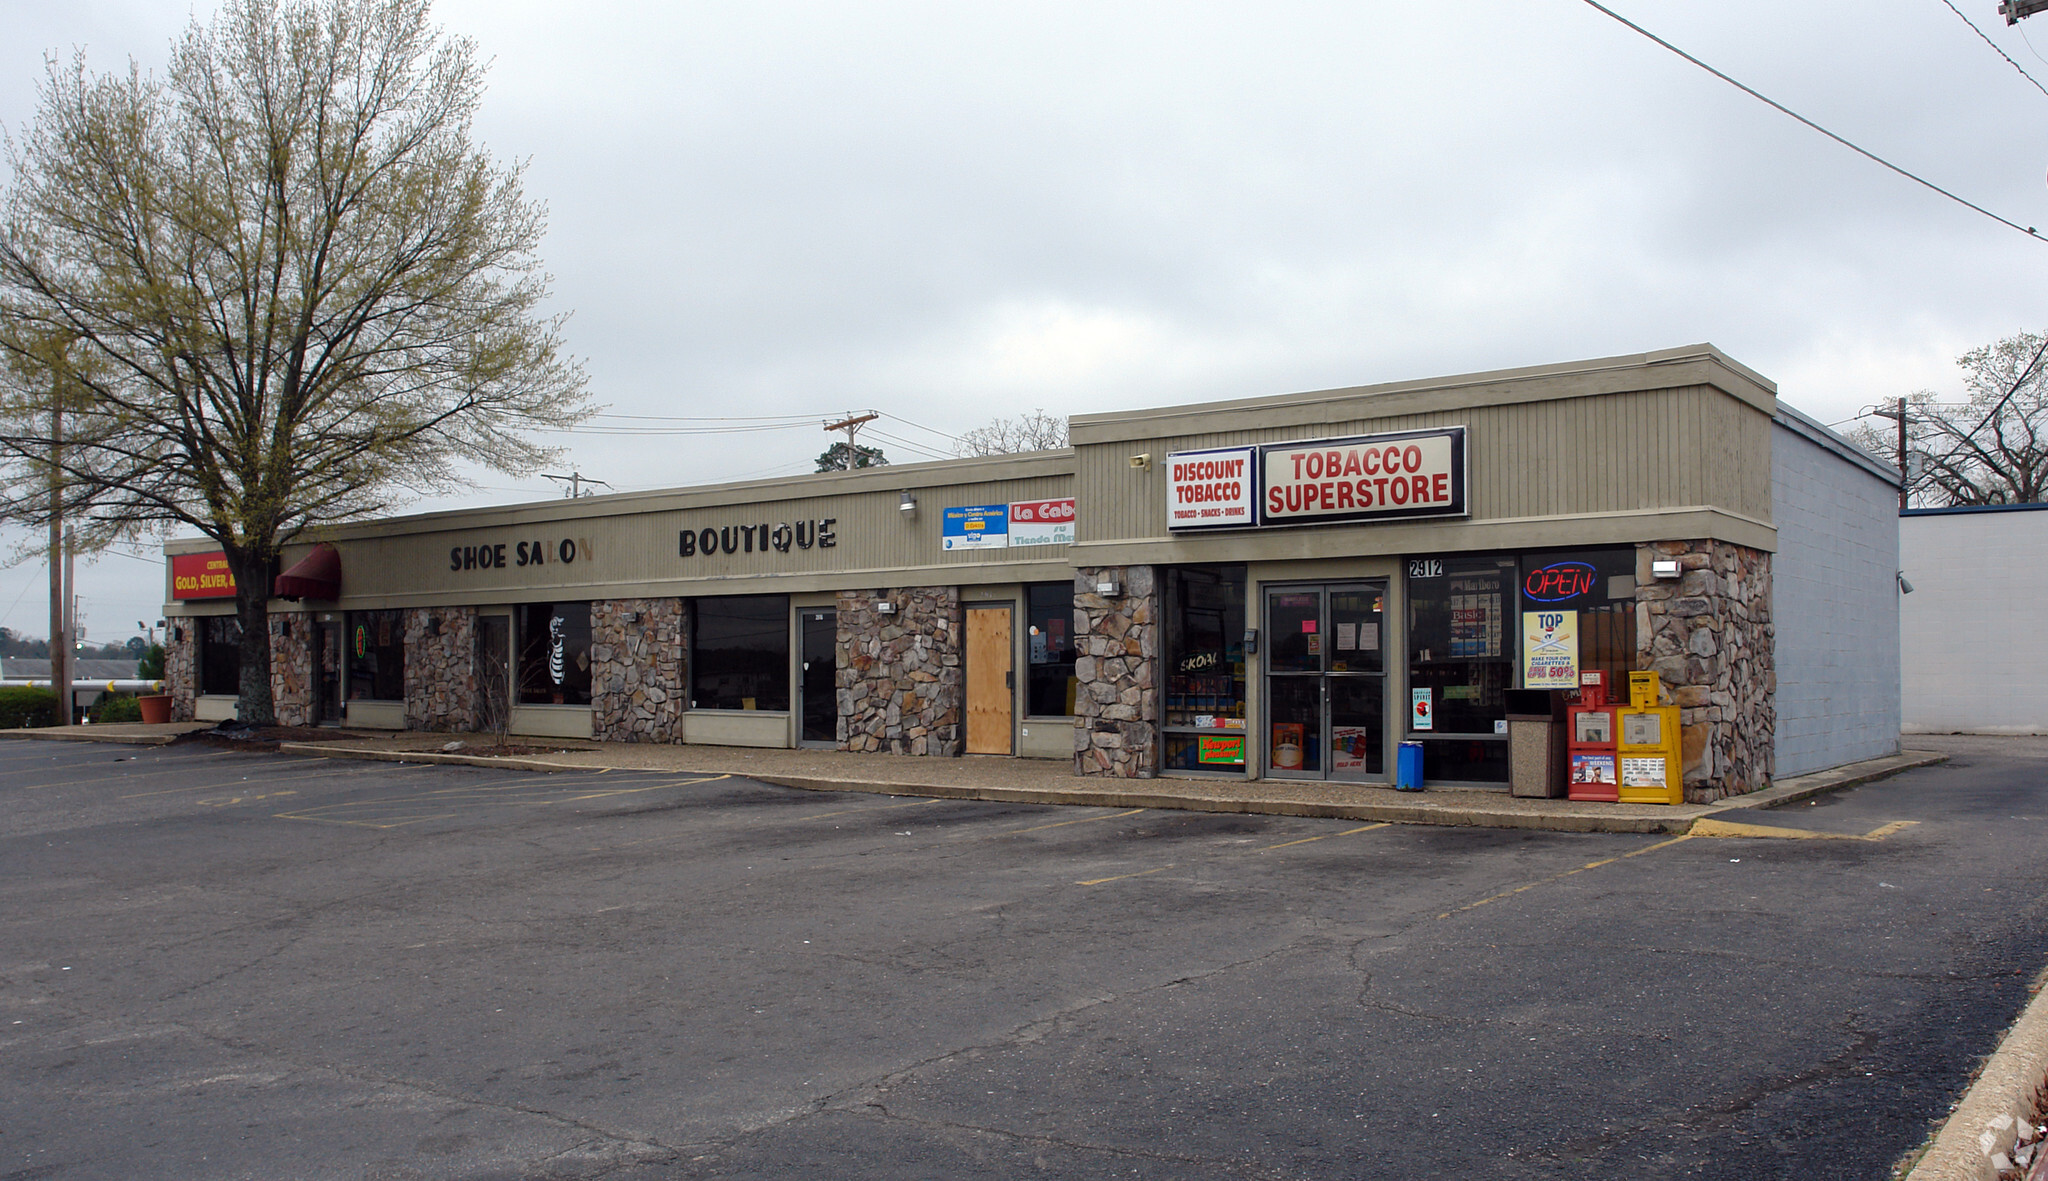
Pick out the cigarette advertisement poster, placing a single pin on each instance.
(1550, 649)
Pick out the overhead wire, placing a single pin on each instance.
(1788, 111)
(1994, 45)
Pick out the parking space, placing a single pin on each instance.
(216, 963)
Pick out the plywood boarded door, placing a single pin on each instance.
(990, 680)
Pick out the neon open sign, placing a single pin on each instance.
(1558, 581)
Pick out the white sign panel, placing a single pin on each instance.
(1364, 478)
(1212, 489)
(1042, 522)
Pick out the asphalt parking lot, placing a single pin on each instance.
(217, 964)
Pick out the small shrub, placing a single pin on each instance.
(116, 707)
(22, 707)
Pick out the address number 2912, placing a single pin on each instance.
(1426, 568)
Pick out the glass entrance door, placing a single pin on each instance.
(1326, 676)
(819, 630)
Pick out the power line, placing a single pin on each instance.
(1993, 44)
(1781, 107)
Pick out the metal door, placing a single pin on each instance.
(327, 671)
(817, 680)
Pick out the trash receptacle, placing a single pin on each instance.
(1408, 767)
(1536, 743)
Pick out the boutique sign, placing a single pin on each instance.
(1320, 481)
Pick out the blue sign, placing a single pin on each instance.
(985, 526)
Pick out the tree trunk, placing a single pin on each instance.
(255, 706)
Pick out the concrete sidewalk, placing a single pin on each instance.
(1039, 781)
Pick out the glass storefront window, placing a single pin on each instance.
(1051, 686)
(1464, 643)
(1599, 586)
(376, 655)
(554, 654)
(220, 655)
(739, 653)
(1205, 669)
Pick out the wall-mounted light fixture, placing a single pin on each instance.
(1905, 588)
(1141, 461)
(1664, 568)
(908, 504)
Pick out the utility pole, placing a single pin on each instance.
(574, 482)
(1905, 476)
(2013, 10)
(60, 558)
(852, 423)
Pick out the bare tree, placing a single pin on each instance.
(1990, 448)
(294, 287)
(1032, 431)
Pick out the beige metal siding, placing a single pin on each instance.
(1638, 455)
(637, 552)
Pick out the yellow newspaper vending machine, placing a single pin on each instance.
(1652, 761)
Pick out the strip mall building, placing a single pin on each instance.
(1277, 587)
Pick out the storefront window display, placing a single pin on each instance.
(739, 658)
(1463, 642)
(554, 654)
(1205, 669)
(220, 655)
(1480, 625)
(376, 655)
(1589, 596)
(1050, 691)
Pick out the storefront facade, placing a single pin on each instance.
(1277, 587)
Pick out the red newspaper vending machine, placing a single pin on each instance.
(1593, 770)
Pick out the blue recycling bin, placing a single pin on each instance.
(1408, 767)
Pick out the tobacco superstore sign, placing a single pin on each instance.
(1394, 476)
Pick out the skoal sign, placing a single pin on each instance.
(1317, 481)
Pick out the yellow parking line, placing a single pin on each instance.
(1064, 823)
(1326, 836)
(1565, 874)
(1120, 877)
(876, 808)
(359, 823)
(1709, 827)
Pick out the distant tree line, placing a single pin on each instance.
(21, 647)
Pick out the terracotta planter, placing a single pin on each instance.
(156, 708)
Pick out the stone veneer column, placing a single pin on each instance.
(440, 668)
(181, 667)
(636, 670)
(1116, 728)
(291, 669)
(1710, 637)
(899, 680)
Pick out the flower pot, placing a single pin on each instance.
(156, 708)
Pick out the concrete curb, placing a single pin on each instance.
(1418, 813)
(1805, 787)
(516, 763)
(1973, 1141)
(87, 734)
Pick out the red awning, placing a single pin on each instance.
(315, 576)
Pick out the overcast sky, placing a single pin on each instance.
(953, 212)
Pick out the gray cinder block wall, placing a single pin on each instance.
(1836, 598)
(1974, 651)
